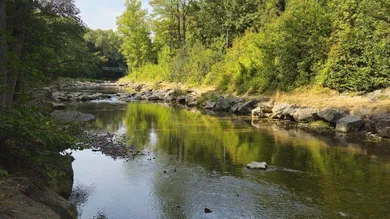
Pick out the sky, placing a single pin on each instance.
(102, 14)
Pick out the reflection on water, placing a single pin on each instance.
(309, 176)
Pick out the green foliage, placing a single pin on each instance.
(32, 133)
(259, 46)
(3, 173)
(359, 59)
(133, 28)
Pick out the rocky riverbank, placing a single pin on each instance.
(318, 119)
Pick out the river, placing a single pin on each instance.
(195, 161)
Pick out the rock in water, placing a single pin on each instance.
(58, 106)
(349, 124)
(207, 211)
(331, 115)
(257, 165)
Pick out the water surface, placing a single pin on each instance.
(204, 156)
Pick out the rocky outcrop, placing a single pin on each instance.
(349, 124)
(24, 199)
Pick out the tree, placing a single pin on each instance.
(134, 30)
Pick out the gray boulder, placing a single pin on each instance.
(382, 125)
(331, 115)
(266, 107)
(283, 111)
(209, 105)
(257, 165)
(349, 124)
(305, 114)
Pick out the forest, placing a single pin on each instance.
(258, 46)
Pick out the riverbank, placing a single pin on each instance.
(319, 112)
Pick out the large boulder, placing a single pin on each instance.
(305, 114)
(246, 108)
(331, 115)
(349, 124)
(283, 111)
(382, 125)
(222, 105)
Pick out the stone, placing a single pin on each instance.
(58, 106)
(305, 115)
(331, 115)
(283, 111)
(257, 165)
(209, 105)
(349, 124)
(257, 113)
(266, 107)
(222, 105)
(181, 99)
(247, 107)
(207, 211)
(382, 125)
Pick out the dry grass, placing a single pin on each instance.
(318, 97)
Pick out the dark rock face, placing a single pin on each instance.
(28, 199)
(331, 115)
(349, 124)
(382, 125)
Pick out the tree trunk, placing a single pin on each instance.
(184, 29)
(178, 24)
(16, 48)
(3, 51)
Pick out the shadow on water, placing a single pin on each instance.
(310, 176)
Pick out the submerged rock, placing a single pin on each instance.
(257, 165)
(349, 124)
(71, 116)
(207, 210)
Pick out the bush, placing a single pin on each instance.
(31, 133)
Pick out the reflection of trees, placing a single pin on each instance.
(334, 175)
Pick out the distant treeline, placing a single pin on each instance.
(258, 46)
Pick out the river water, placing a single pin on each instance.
(196, 161)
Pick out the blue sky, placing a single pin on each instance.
(101, 14)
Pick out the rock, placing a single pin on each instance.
(257, 165)
(58, 106)
(382, 125)
(59, 96)
(247, 107)
(257, 113)
(222, 105)
(349, 124)
(331, 115)
(181, 99)
(209, 105)
(283, 111)
(191, 101)
(305, 115)
(207, 211)
(266, 107)
(32, 199)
